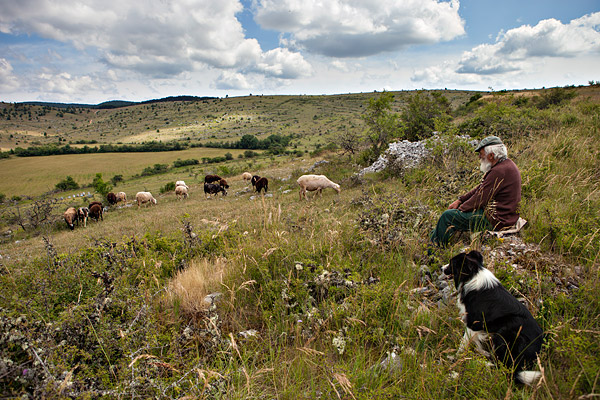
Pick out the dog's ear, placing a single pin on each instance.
(475, 257)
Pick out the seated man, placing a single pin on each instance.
(492, 205)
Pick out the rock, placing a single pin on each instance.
(248, 334)
(213, 298)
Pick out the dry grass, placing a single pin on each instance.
(189, 287)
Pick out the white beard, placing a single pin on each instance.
(485, 165)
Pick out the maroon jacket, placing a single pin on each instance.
(498, 195)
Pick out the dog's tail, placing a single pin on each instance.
(528, 377)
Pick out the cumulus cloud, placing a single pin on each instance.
(8, 81)
(231, 80)
(157, 38)
(284, 64)
(357, 28)
(515, 49)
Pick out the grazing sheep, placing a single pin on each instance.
(254, 179)
(211, 188)
(181, 192)
(223, 183)
(212, 178)
(246, 176)
(315, 182)
(111, 198)
(82, 215)
(144, 197)
(121, 196)
(181, 183)
(70, 217)
(262, 183)
(96, 210)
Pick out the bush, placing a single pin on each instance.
(154, 170)
(116, 179)
(100, 186)
(182, 163)
(67, 184)
(422, 111)
(169, 187)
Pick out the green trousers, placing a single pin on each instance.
(454, 220)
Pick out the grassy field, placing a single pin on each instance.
(311, 296)
(33, 176)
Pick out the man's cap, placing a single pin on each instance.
(488, 141)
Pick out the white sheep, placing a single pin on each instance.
(181, 192)
(246, 176)
(181, 183)
(144, 197)
(315, 182)
(121, 196)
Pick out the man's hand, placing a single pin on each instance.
(454, 205)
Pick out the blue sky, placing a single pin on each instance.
(87, 51)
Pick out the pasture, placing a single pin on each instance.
(33, 176)
(334, 297)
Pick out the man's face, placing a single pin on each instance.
(485, 161)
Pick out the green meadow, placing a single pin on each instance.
(250, 296)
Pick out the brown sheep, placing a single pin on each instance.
(96, 210)
(262, 183)
(223, 183)
(212, 178)
(254, 179)
(70, 217)
(111, 198)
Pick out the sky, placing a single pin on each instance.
(91, 51)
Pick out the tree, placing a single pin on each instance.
(100, 186)
(249, 142)
(421, 114)
(381, 122)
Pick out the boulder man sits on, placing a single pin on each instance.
(493, 204)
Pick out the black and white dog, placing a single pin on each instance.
(495, 319)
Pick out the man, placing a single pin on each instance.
(492, 205)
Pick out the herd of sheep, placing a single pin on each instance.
(213, 185)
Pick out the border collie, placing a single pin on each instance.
(495, 319)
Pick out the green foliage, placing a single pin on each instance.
(47, 150)
(554, 97)
(382, 123)
(155, 170)
(169, 187)
(100, 186)
(182, 163)
(67, 184)
(421, 113)
(116, 179)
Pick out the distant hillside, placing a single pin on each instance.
(115, 103)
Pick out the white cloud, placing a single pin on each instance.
(284, 64)
(357, 28)
(516, 49)
(231, 80)
(8, 81)
(154, 37)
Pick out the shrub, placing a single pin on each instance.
(169, 187)
(116, 179)
(100, 186)
(422, 111)
(67, 184)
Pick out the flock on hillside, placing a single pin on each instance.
(213, 185)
